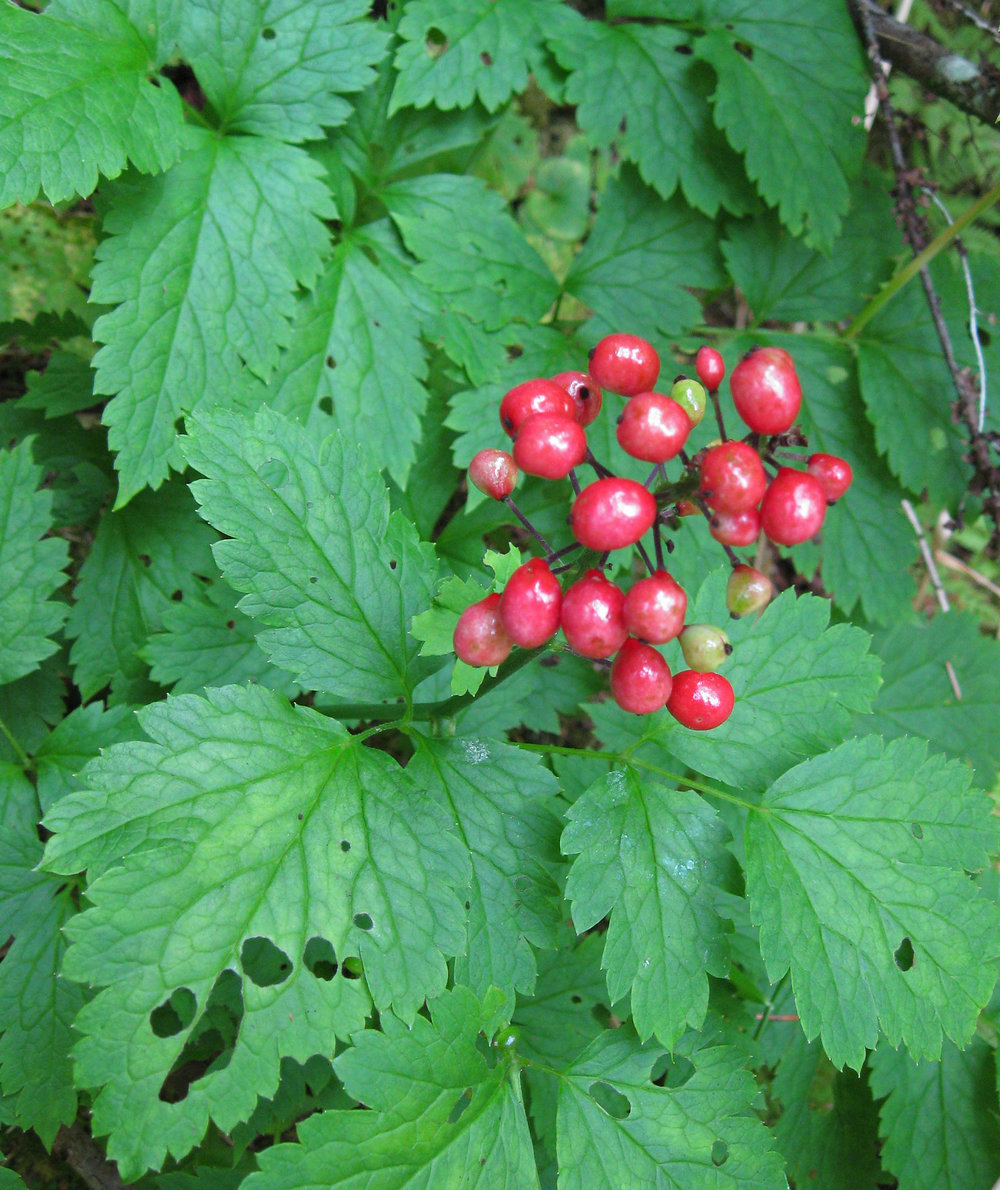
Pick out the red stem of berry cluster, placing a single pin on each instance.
(528, 525)
(714, 394)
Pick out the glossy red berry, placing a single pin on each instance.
(711, 368)
(592, 619)
(833, 473)
(586, 394)
(612, 513)
(704, 646)
(655, 608)
(732, 477)
(766, 391)
(640, 678)
(530, 603)
(700, 701)
(534, 396)
(793, 507)
(550, 445)
(691, 397)
(480, 638)
(493, 472)
(653, 427)
(625, 364)
(748, 590)
(735, 528)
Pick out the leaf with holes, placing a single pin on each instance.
(857, 868)
(502, 803)
(455, 51)
(618, 1130)
(36, 1006)
(650, 857)
(440, 1112)
(331, 576)
(939, 1120)
(202, 265)
(78, 100)
(31, 564)
(250, 843)
(279, 67)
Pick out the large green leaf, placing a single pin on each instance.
(649, 857)
(857, 868)
(332, 577)
(31, 565)
(255, 841)
(202, 264)
(279, 67)
(73, 741)
(78, 100)
(440, 1113)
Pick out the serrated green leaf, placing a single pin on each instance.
(207, 641)
(36, 1005)
(454, 51)
(144, 558)
(78, 100)
(79, 737)
(330, 574)
(202, 264)
(9, 1180)
(245, 818)
(472, 254)
(45, 261)
(856, 873)
(798, 684)
(355, 360)
(501, 800)
(649, 857)
(641, 256)
(32, 566)
(939, 1120)
(783, 279)
(30, 707)
(279, 67)
(701, 1133)
(66, 386)
(918, 697)
(657, 114)
(798, 66)
(440, 1115)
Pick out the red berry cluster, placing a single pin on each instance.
(728, 482)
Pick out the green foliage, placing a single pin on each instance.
(291, 898)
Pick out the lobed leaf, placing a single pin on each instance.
(247, 852)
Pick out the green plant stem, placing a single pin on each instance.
(769, 1006)
(21, 754)
(920, 261)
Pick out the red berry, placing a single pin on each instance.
(625, 364)
(748, 590)
(529, 605)
(655, 608)
(732, 477)
(793, 507)
(710, 368)
(591, 616)
(700, 701)
(586, 394)
(493, 472)
(833, 473)
(534, 396)
(611, 513)
(640, 678)
(735, 528)
(550, 445)
(480, 638)
(687, 508)
(766, 390)
(653, 427)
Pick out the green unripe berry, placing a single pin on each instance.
(507, 1038)
(705, 647)
(691, 397)
(747, 591)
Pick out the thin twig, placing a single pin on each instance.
(83, 1155)
(954, 680)
(954, 563)
(928, 557)
(645, 557)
